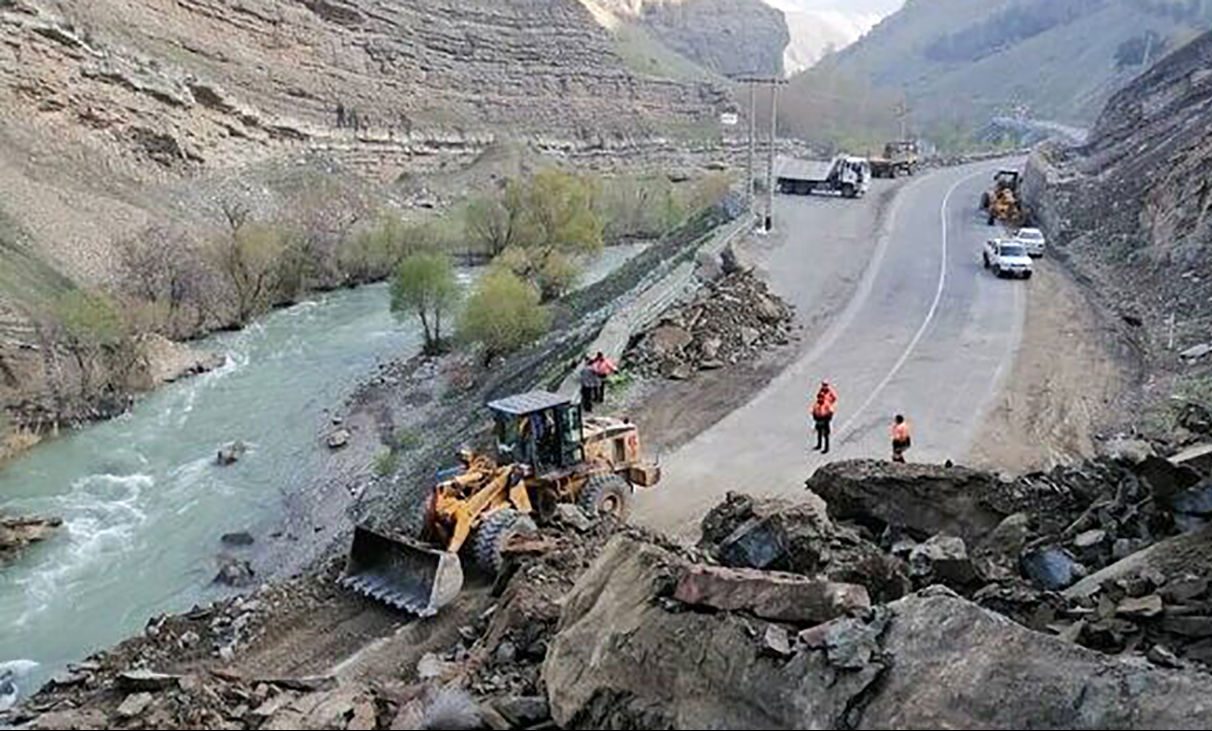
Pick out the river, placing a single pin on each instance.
(142, 499)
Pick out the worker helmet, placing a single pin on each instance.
(465, 455)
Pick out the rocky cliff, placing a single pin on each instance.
(1130, 208)
(728, 37)
(117, 117)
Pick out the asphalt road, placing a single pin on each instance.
(927, 332)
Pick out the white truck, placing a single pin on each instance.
(844, 175)
(1007, 258)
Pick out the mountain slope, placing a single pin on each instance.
(1131, 209)
(821, 27)
(725, 37)
(117, 118)
(1058, 59)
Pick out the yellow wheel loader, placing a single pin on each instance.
(546, 453)
(1003, 203)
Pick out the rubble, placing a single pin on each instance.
(622, 659)
(729, 320)
(799, 537)
(18, 532)
(767, 594)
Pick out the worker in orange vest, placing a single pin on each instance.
(900, 438)
(823, 409)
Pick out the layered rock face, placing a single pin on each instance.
(119, 116)
(1131, 207)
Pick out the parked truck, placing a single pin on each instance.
(844, 175)
(899, 158)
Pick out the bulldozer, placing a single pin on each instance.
(1003, 203)
(547, 453)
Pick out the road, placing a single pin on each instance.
(927, 332)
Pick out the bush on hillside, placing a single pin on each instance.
(503, 314)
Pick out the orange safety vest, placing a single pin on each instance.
(900, 432)
(822, 408)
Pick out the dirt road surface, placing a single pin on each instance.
(927, 332)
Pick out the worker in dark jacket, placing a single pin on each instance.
(590, 383)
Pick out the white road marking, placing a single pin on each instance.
(921, 331)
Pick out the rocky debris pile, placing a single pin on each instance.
(799, 537)
(18, 532)
(728, 321)
(628, 656)
(174, 675)
(1113, 554)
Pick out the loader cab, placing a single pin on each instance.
(1006, 180)
(539, 429)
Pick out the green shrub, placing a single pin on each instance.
(503, 314)
(424, 285)
(407, 439)
(386, 463)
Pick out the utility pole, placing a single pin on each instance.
(752, 145)
(774, 116)
(773, 83)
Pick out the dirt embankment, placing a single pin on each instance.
(1070, 380)
(1127, 212)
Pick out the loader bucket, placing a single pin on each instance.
(402, 572)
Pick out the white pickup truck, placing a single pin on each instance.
(1007, 258)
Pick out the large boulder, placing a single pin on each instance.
(622, 659)
(921, 498)
(798, 536)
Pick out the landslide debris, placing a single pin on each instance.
(787, 614)
(728, 321)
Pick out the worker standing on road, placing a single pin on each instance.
(823, 409)
(900, 438)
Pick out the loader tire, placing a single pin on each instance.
(606, 494)
(493, 533)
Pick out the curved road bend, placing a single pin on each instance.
(927, 333)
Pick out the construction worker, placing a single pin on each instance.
(900, 438)
(590, 383)
(822, 415)
(604, 367)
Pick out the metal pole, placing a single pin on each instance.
(752, 145)
(774, 112)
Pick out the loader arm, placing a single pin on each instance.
(504, 487)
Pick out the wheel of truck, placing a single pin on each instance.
(492, 535)
(985, 201)
(997, 271)
(1027, 275)
(896, 172)
(606, 494)
(912, 170)
(848, 190)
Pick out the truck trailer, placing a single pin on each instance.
(844, 175)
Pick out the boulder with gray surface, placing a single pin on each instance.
(621, 659)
